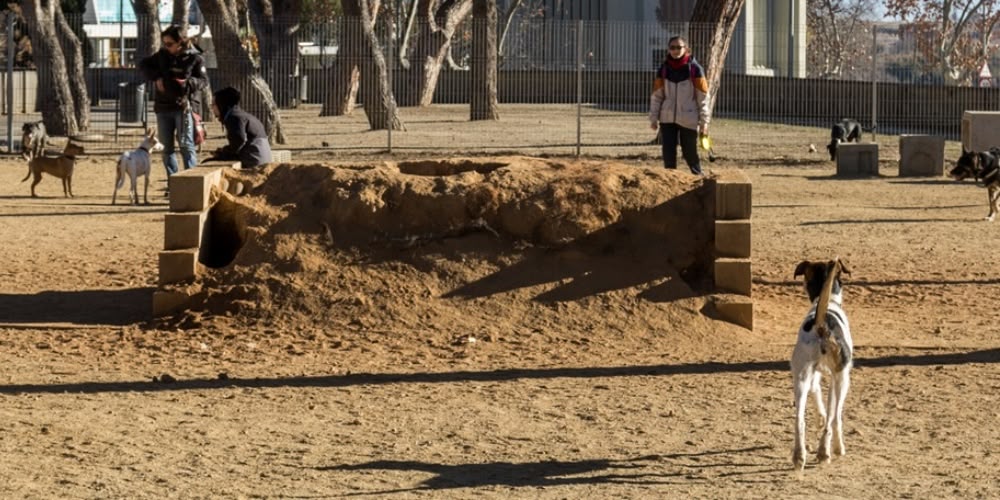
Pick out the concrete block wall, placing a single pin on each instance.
(857, 160)
(921, 155)
(733, 237)
(980, 130)
(184, 231)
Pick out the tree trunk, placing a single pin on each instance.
(346, 72)
(55, 98)
(276, 23)
(435, 28)
(376, 94)
(73, 51)
(181, 14)
(236, 69)
(712, 26)
(484, 104)
(147, 20)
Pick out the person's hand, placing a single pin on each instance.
(703, 129)
(159, 85)
(654, 125)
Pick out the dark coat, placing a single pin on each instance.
(183, 76)
(247, 138)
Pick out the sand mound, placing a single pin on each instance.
(462, 247)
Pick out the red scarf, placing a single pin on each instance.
(678, 63)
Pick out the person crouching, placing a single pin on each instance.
(246, 136)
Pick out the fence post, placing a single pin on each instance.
(10, 84)
(579, 85)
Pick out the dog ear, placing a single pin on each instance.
(801, 268)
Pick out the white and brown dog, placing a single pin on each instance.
(824, 346)
(132, 164)
(984, 167)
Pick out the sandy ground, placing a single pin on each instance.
(699, 411)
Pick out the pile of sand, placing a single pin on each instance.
(463, 247)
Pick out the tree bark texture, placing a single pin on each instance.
(236, 68)
(276, 23)
(148, 25)
(346, 71)
(484, 104)
(73, 51)
(55, 98)
(712, 26)
(436, 24)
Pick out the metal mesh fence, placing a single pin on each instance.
(562, 86)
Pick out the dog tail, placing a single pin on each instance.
(120, 174)
(827, 343)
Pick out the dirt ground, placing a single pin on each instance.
(621, 393)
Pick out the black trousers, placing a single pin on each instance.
(671, 134)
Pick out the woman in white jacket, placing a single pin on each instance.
(679, 105)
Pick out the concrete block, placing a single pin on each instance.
(178, 265)
(854, 160)
(190, 190)
(168, 301)
(733, 192)
(732, 238)
(234, 164)
(980, 130)
(184, 229)
(733, 275)
(921, 155)
(281, 155)
(736, 310)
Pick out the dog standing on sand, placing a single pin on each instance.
(134, 163)
(58, 166)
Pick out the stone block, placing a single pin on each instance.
(281, 155)
(732, 238)
(980, 130)
(184, 230)
(736, 310)
(178, 265)
(733, 193)
(857, 160)
(733, 276)
(921, 155)
(168, 301)
(190, 190)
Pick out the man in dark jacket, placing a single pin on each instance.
(246, 135)
(178, 73)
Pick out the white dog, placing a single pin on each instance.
(824, 346)
(136, 163)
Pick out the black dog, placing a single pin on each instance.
(985, 168)
(33, 140)
(846, 130)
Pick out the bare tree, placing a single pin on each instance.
(376, 94)
(237, 69)
(839, 37)
(55, 97)
(347, 69)
(508, 16)
(276, 23)
(949, 33)
(436, 23)
(712, 26)
(147, 18)
(484, 104)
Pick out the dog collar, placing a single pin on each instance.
(143, 147)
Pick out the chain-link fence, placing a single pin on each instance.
(562, 86)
